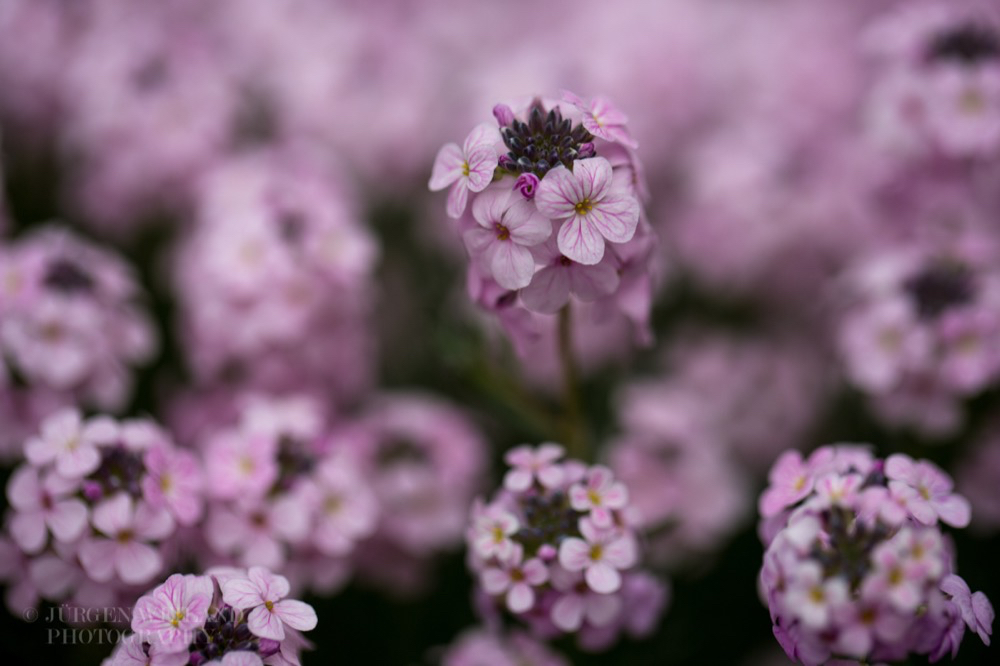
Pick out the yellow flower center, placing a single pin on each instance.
(584, 207)
(465, 169)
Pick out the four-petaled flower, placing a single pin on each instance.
(600, 556)
(602, 119)
(492, 529)
(600, 496)
(467, 169)
(593, 207)
(168, 616)
(516, 577)
(127, 527)
(44, 503)
(262, 593)
(533, 463)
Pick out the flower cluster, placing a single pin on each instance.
(938, 89)
(93, 507)
(917, 337)
(555, 209)
(556, 548)
(70, 319)
(856, 563)
(229, 617)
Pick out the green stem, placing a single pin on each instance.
(574, 433)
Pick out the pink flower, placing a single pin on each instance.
(515, 577)
(126, 550)
(791, 481)
(69, 442)
(600, 496)
(240, 463)
(530, 464)
(168, 616)
(264, 593)
(933, 498)
(347, 510)
(811, 599)
(601, 556)
(39, 504)
(560, 276)
(602, 119)
(594, 209)
(174, 480)
(579, 603)
(466, 169)
(491, 532)
(508, 226)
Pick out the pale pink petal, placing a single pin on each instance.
(517, 480)
(98, 559)
(603, 608)
(954, 510)
(574, 554)
(533, 229)
(621, 553)
(24, 489)
(603, 578)
(547, 293)
(79, 461)
(558, 194)
(512, 265)
(494, 580)
(594, 176)
(616, 496)
(482, 135)
(272, 586)
(520, 598)
(579, 498)
(589, 283)
(137, 562)
(567, 612)
(601, 517)
(28, 530)
(482, 163)
(488, 208)
(448, 167)
(265, 624)
(39, 451)
(616, 217)
(580, 240)
(67, 519)
(458, 197)
(153, 524)
(551, 476)
(113, 515)
(296, 614)
(241, 593)
(983, 611)
(535, 573)
(242, 658)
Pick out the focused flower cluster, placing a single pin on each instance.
(555, 547)
(94, 506)
(71, 319)
(229, 617)
(555, 188)
(856, 563)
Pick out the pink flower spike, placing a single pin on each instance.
(466, 169)
(601, 556)
(530, 464)
(602, 119)
(600, 496)
(593, 209)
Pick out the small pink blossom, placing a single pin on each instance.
(508, 226)
(467, 169)
(602, 119)
(578, 603)
(791, 481)
(530, 464)
(39, 504)
(69, 442)
(263, 594)
(169, 615)
(600, 554)
(933, 498)
(811, 598)
(601, 496)
(491, 532)
(347, 510)
(128, 528)
(594, 209)
(560, 277)
(174, 480)
(516, 577)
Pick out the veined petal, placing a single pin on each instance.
(594, 176)
(483, 134)
(296, 614)
(616, 217)
(482, 163)
(241, 593)
(512, 265)
(488, 208)
(265, 624)
(580, 241)
(558, 194)
(448, 167)
(272, 586)
(547, 293)
(458, 197)
(533, 229)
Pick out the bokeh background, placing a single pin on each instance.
(802, 159)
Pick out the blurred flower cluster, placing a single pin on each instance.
(285, 287)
